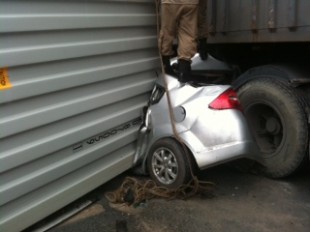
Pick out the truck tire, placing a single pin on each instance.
(278, 123)
(168, 164)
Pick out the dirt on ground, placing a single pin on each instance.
(240, 202)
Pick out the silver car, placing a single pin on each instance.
(204, 127)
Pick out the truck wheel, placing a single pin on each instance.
(278, 123)
(168, 164)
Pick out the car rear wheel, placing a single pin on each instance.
(168, 164)
(278, 123)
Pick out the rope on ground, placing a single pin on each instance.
(134, 191)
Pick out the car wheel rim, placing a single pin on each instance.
(164, 165)
(267, 126)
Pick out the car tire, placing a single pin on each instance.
(278, 124)
(168, 163)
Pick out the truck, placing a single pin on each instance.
(267, 44)
(74, 78)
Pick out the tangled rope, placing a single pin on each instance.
(134, 191)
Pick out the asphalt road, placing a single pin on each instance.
(240, 202)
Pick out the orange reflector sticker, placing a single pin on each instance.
(4, 79)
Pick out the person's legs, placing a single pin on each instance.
(187, 35)
(187, 32)
(167, 34)
(202, 29)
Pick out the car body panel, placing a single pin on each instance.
(212, 136)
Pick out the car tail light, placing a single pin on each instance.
(227, 100)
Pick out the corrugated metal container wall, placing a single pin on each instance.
(247, 21)
(74, 78)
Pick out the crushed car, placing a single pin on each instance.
(191, 125)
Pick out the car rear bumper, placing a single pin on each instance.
(224, 153)
(227, 140)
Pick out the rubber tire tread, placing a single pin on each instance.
(293, 152)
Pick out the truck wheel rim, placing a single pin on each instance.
(164, 165)
(267, 127)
